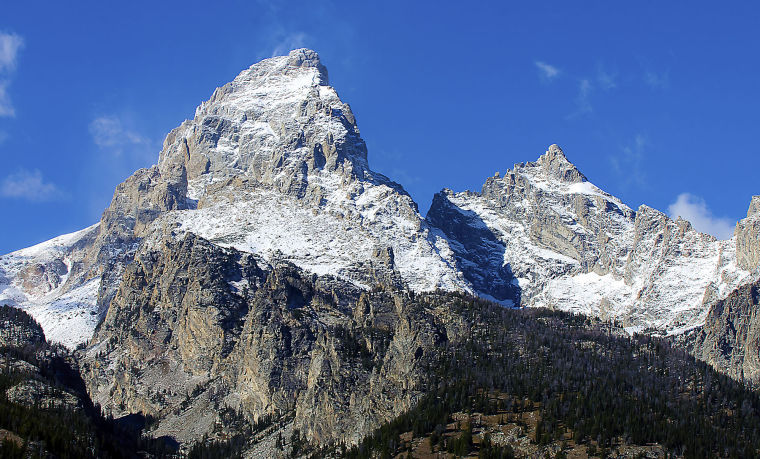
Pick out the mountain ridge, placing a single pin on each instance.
(273, 164)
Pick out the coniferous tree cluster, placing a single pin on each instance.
(587, 377)
(58, 431)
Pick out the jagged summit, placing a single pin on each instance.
(277, 124)
(754, 207)
(546, 235)
(304, 57)
(556, 165)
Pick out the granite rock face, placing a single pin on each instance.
(196, 329)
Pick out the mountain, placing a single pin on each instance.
(195, 328)
(261, 282)
(571, 246)
(273, 165)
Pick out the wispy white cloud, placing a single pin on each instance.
(627, 162)
(695, 210)
(606, 80)
(289, 42)
(547, 71)
(10, 44)
(657, 80)
(110, 134)
(6, 107)
(583, 99)
(30, 186)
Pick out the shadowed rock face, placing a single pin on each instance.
(195, 328)
(480, 252)
(730, 338)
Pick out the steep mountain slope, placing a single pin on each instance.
(272, 164)
(571, 246)
(196, 330)
(730, 337)
(729, 340)
(49, 281)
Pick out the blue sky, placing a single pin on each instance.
(655, 102)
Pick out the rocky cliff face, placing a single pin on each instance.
(730, 338)
(747, 235)
(545, 233)
(196, 330)
(40, 376)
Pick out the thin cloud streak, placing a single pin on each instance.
(289, 42)
(6, 107)
(605, 79)
(628, 162)
(110, 134)
(583, 99)
(10, 44)
(29, 186)
(657, 80)
(547, 71)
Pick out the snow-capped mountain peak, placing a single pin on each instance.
(273, 164)
(569, 245)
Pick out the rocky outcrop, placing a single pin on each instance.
(730, 338)
(196, 329)
(747, 234)
(33, 393)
